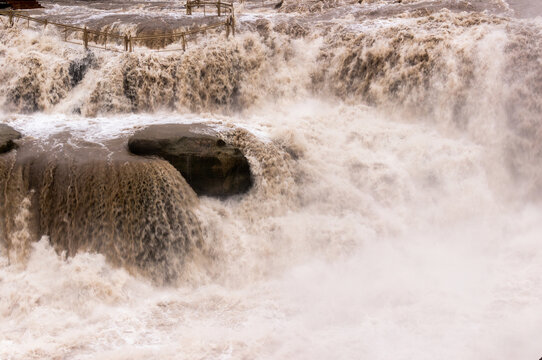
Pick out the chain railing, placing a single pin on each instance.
(103, 38)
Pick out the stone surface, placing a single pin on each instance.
(7, 135)
(97, 197)
(208, 164)
(23, 4)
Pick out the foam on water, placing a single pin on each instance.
(385, 222)
(400, 249)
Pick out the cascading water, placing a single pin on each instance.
(395, 210)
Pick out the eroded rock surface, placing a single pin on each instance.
(7, 136)
(136, 211)
(208, 164)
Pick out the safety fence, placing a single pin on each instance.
(102, 39)
(221, 7)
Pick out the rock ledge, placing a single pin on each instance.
(7, 135)
(209, 165)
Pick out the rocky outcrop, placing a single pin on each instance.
(136, 211)
(209, 165)
(7, 136)
(23, 4)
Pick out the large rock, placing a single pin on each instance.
(23, 4)
(136, 211)
(208, 164)
(7, 135)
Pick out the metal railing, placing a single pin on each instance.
(222, 8)
(103, 38)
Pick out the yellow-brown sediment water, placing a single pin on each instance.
(395, 211)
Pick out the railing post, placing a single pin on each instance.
(233, 25)
(125, 42)
(10, 18)
(188, 8)
(105, 40)
(131, 43)
(184, 42)
(218, 7)
(85, 38)
(45, 24)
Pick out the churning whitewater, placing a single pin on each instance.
(395, 210)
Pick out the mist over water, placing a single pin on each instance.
(396, 207)
(526, 8)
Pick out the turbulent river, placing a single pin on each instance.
(396, 209)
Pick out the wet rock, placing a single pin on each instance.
(25, 95)
(209, 165)
(7, 135)
(79, 67)
(88, 197)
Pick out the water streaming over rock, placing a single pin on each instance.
(395, 211)
(79, 200)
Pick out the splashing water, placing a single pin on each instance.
(395, 211)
